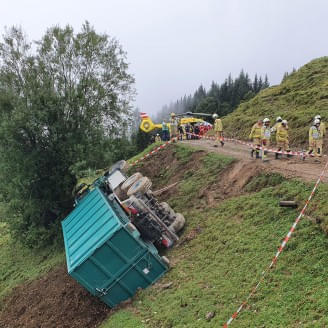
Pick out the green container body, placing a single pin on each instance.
(104, 254)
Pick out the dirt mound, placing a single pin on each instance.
(167, 161)
(230, 182)
(54, 300)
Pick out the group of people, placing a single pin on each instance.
(177, 130)
(262, 132)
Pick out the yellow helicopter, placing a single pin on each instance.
(147, 125)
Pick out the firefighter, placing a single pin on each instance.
(256, 137)
(158, 138)
(282, 138)
(322, 125)
(188, 131)
(218, 128)
(266, 135)
(181, 132)
(315, 138)
(165, 132)
(173, 126)
(277, 124)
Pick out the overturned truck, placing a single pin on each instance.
(113, 235)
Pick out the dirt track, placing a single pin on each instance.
(294, 167)
(56, 300)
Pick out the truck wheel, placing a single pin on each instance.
(178, 223)
(142, 185)
(167, 208)
(131, 180)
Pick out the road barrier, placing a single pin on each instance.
(153, 151)
(291, 230)
(281, 248)
(302, 154)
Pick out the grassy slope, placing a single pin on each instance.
(18, 264)
(236, 240)
(298, 99)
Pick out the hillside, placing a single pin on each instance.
(234, 226)
(301, 96)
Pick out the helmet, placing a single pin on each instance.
(317, 117)
(279, 119)
(284, 122)
(172, 114)
(215, 115)
(266, 120)
(316, 121)
(157, 134)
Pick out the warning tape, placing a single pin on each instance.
(154, 151)
(270, 150)
(281, 248)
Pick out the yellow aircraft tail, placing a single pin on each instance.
(147, 124)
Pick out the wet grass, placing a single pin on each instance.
(225, 248)
(298, 99)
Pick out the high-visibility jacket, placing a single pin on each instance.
(315, 133)
(323, 128)
(282, 134)
(266, 132)
(256, 131)
(218, 125)
(165, 127)
(275, 127)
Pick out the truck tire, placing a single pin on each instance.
(166, 207)
(131, 180)
(178, 223)
(142, 185)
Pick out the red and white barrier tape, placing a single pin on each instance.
(282, 246)
(270, 150)
(154, 151)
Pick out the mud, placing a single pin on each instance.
(52, 301)
(166, 161)
(294, 167)
(56, 300)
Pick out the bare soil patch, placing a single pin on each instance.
(52, 301)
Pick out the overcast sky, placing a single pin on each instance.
(175, 45)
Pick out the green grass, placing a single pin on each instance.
(19, 264)
(145, 151)
(124, 319)
(298, 99)
(236, 241)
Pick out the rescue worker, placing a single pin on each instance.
(282, 138)
(277, 124)
(315, 138)
(266, 136)
(322, 125)
(181, 132)
(196, 131)
(218, 129)
(173, 126)
(188, 131)
(256, 137)
(158, 138)
(165, 132)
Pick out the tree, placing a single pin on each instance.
(62, 100)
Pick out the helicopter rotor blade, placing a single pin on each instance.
(201, 114)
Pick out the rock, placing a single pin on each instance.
(210, 315)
